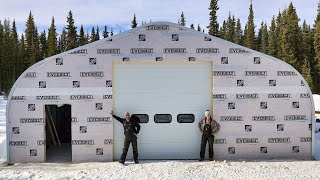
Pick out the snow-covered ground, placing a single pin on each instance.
(166, 170)
(3, 147)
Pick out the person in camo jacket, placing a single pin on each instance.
(131, 129)
(208, 127)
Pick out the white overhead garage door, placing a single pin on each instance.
(162, 91)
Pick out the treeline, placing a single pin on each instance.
(283, 38)
(17, 53)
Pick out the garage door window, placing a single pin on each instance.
(162, 118)
(141, 118)
(185, 118)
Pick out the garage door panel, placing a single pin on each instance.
(162, 88)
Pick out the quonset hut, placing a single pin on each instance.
(167, 75)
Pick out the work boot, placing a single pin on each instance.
(136, 161)
(121, 161)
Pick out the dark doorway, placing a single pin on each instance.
(58, 133)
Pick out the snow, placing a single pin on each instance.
(166, 170)
(3, 146)
(316, 98)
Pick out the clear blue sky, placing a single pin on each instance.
(118, 14)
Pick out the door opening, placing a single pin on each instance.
(58, 133)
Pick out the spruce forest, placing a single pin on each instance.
(285, 37)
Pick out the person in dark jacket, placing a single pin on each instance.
(208, 127)
(131, 129)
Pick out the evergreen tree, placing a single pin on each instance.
(291, 37)
(15, 46)
(63, 40)
(308, 50)
(43, 45)
(37, 46)
(71, 33)
(199, 28)
(279, 32)
(238, 33)
(21, 56)
(31, 37)
(93, 35)
(87, 37)
(249, 33)
(318, 13)
(105, 32)
(259, 37)
(182, 20)
(1, 56)
(264, 38)
(272, 46)
(134, 22)
(8, 64)
(306, 73)
(82, 38)
(316, 44)
(52, 40)
(223, 30)
(213, 25)
(192, 26)
(231, 25)
(307, 44)
(97, 37)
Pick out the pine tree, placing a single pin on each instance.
(8, 64)
(306, 73)
(63, 40)
(264, 38)
(249, 33)
(279, 32)
(21, 56)
(52, 39)
(308, 50)
(318, 13)
(82, 38)
(71, 33)
(291, 38)
(238, 33)
(307, 44)
(43, 45)
(316, 44)
(97, 37)
(272, 46)
(231, 25)
(259, 37)
(93, 35)
(31, 37)
(1, 56)
(199, 28)
(223, 30)
(192, 26)
(105, 32)
(15, 46)
(134, 22)
(87, 37)
(213, 25)
(182, 20)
